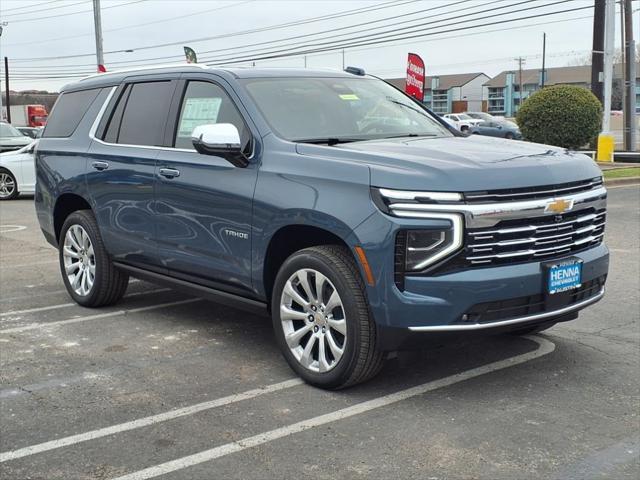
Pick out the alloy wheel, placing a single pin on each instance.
(7, 185)
(79, 260)
(313, 320)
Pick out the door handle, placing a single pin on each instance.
(169, 172)
(100, 166)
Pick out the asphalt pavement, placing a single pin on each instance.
(170, 386)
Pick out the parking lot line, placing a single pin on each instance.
(35, 326)
(71, 304)
(47, 294)
(544, 347)
(146, 421)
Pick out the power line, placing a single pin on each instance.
(75, 13)
(382, 38)
(394, 3)
(368, 40)
(129, 27)
(296, 45)
(377, 42)
(45, 9)
(457, 36)
(32, 5)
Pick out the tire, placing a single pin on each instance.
(334, 267)
(464, 129)
(8, 185)
(82, 254)
(508, 136)
(533, 329)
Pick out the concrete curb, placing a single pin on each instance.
(622, 181)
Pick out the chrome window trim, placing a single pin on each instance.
(96, 122)
(512, 321)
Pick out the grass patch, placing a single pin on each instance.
(622, 172)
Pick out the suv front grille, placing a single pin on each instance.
(530, 193)
(534, 239)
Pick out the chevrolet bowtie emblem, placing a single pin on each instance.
(559, 206)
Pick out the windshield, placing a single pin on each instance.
(7, 130)
(464, 116)
(339, 109)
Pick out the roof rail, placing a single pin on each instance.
(148, 67)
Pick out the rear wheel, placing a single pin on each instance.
(87, 271)
(322, 320)
(8, 185)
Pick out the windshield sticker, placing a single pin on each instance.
(349, 96)
(198, 111)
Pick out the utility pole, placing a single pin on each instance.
(544, 54)
(520, 61)
(343, 59)
(609, 39)
(598, 49)
(97, 21)
(630, 140)
(6, 88)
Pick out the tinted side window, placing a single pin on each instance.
(206, 103)
(145, 113)
(113, 127)
(68, 112)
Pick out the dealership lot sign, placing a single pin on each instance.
(414, 85)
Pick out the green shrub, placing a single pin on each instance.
(562, 115)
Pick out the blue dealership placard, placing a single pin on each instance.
(564, 276)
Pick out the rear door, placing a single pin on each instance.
(121, 170)
(203, 202)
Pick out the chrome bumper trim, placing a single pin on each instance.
(513, 321)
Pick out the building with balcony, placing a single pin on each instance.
(456, 93)
(502, 94)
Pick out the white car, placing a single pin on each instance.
(462, 121)
(17, 172)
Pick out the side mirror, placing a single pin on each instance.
(222, 140)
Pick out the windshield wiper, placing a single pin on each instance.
(412, 135)
(330, 141)
(410, 107)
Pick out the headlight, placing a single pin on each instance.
(419, 249)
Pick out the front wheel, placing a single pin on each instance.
(321, 318)
(87, 271)
(509, 136)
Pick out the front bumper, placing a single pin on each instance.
(501, 282)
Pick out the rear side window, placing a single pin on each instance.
(68, 112)
(145, 113)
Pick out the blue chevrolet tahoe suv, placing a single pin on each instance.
(346, 209)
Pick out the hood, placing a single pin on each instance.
(461, 163)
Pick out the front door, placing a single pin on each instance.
(203, 203)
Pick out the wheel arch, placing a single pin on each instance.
(66, 204)
(290, 238)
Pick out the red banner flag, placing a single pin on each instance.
(414, 85)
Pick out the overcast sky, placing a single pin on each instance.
(52, 28)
